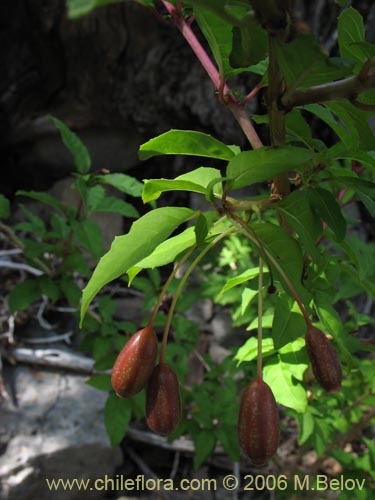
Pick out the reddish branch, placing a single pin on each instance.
(225, 94)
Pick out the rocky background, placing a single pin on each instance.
(117, 77)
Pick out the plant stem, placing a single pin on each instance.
(168, 282)
(349, 88)
(252, 237)
(235, 107)
(244, 122)
(280, 184)
(181, 285)
(260, 318)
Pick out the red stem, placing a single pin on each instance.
(224, 91)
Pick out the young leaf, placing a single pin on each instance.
(4, 207)
(196, 181)
(79, 151)
(350, 30)
(288, 323)
(185, 142)
(325, 205)
(265, 163)
(126, 251)
(117, 413)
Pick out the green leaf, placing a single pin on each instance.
(331, 322)
(94, 196)
(48, 287)
(45, 198)
(241, 278)
(185, 142)
(313, 68)
(286, 389)
(229, 442)
(356, 122)
(201, 229)
(307, 427)
(350, 30)
(126, 251)
(166, 252)
(365, 191)
(265, 163)
(117, 413)
(323, 113)
(211, 18)
(298, 127)
(249, 46)
(286, 251)
(246, 298)
(325, 205)
(4, 207)
(288, 323)
(78, 8)
(196, 181)
(249, 350)
(124, 183)
(101, 382)
(117, 206)
(79, 151)
(204, 442)
(89, 236)
(295, 356)
(75, 262)
(216, 32)
(23, 294)
(296, 210)
(339, 151)
(70, 290)
(36, 225)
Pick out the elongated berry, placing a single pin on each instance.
(324, 360)
(163, 400)
(135, 363)
(258, 423)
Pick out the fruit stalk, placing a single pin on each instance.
(181, 285)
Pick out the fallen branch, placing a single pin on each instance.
(54, 358)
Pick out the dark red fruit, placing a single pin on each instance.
(163, 400)
(135, 363)
(324, 360)
(258, 423)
